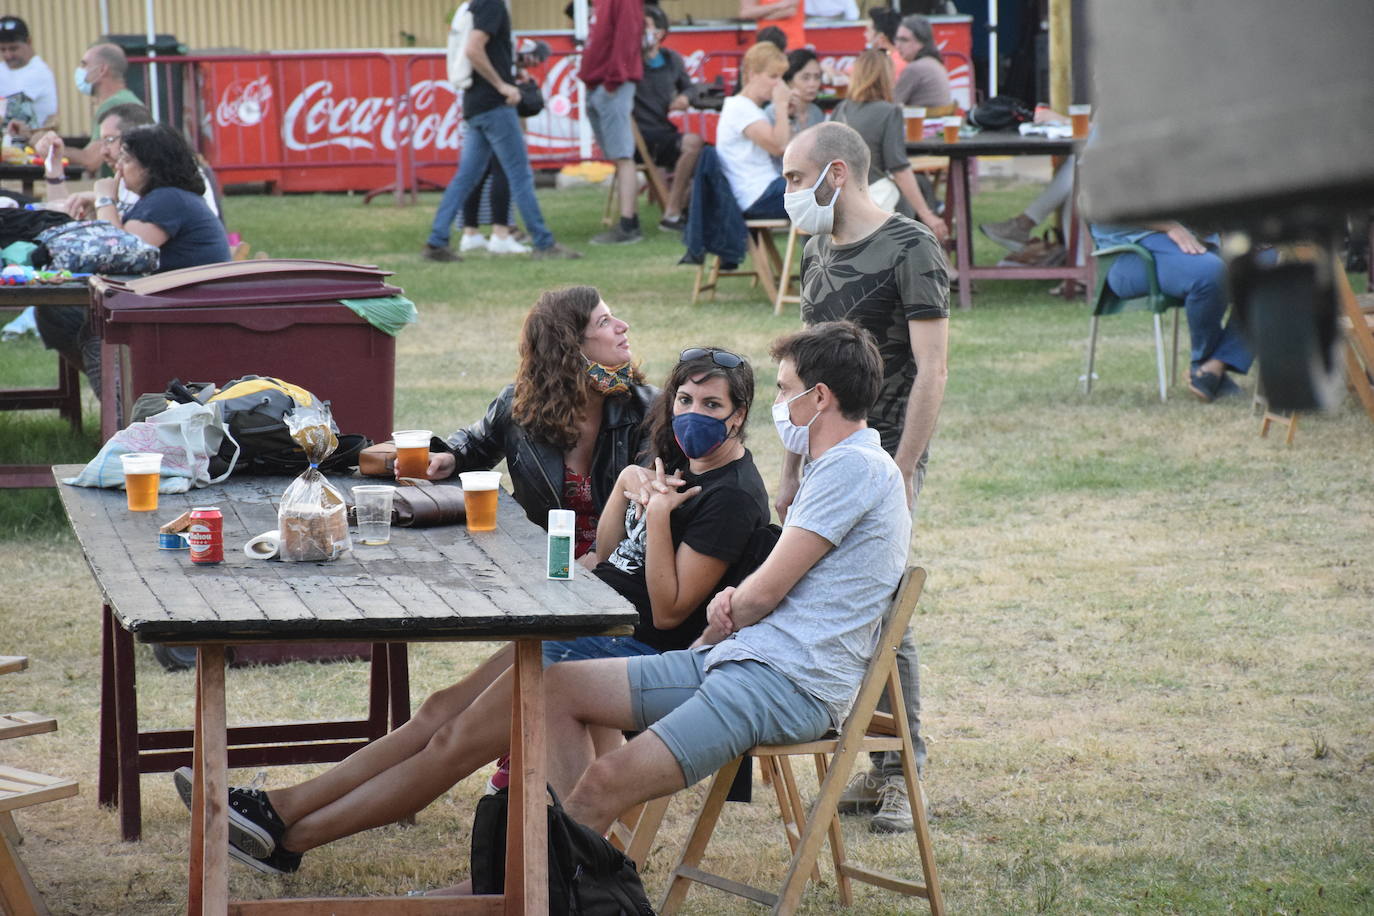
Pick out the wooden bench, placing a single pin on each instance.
(22, 789)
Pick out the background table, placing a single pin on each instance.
(958, 205)
(27, 175)
(66, 397)
(427, 584)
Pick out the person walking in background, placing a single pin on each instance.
(612, 66)
(493, 129)
(887, 274)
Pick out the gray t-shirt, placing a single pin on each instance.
(880, 124)
(923, 83)
(824, 632)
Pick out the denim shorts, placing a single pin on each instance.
(585, 647)
(709, 718)
(610, 114)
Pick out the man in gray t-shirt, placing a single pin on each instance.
(783, 653)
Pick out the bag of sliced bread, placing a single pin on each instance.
(313, 517)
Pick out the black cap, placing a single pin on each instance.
(12, 28)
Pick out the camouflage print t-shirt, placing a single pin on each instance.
(897, 274)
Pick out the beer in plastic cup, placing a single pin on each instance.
(951, 125)
(412, 452)
(915, 124)
(141, 473)
(480, 489)
(373, 508)
(1080, 115)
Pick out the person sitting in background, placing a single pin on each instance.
(923, 82)
(101, 74)
(25, 73)
(1191, 270)
(748, 142)
(663, 89)
(880, 34)
(157, 164)
(803, 77)
(787, 17)
(869, 109)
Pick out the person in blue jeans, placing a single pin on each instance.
(1191, 270)
(493, 129)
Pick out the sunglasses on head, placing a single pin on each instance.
(723, 358)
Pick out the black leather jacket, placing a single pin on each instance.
(536, 468)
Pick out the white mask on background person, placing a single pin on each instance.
(83, 85)
(808, 214)
(650, 39)
(796, 439)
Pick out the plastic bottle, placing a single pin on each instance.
(562, 526)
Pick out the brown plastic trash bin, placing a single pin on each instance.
(280, 318)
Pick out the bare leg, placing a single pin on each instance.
(607, 788)
(480, 734)
(682, 175)
(296, 802)
(579, 697)
(627, 183)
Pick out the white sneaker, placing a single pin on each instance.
(863, 795)
(473, 241)
(506, 245)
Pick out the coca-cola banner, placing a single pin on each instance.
(364, 120)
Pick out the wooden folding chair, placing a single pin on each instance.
(634, 832)
(864, 730)
(791, 258)
(656, 183)
(1357, 322)
(764, 262)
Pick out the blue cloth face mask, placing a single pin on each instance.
(83, 85)
(796, 439)
(698, 434)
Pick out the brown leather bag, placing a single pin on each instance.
(377, 460)
(425, 504)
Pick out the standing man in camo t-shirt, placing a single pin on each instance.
(889, 275)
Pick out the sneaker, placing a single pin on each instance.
(862, 795)
(280, 862)
(474, 241)
(1011, 234)
(506, 245)
(1037, 252)
(441, 253)
(1227, 387)
(1204, 385)
(556, 251)
(677, 224)
(894, 808)
(254, 826)
(618, 235)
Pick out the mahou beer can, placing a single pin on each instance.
(206, 535)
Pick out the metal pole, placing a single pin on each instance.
(104, 17)
(151, 20)
(993, 65)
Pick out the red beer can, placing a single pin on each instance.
(206, 535)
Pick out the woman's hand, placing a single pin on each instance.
(80, 205)
(639, 484)
(664, 492)
(106, 187)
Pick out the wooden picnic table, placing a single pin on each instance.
(427, 584)
(28, 175)
(66, 397)
(958, 208)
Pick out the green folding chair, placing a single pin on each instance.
(1107, 302)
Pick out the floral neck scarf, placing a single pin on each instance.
(610, 380)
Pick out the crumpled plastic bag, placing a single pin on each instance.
(313, 517)
(186, 435)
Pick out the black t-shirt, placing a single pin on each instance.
(657, 90)
(491, 17)
(716, 522)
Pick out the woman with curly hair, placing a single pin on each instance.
(671, 535)
(157, 164)
(573, 418)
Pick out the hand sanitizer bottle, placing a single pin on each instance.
(562, 525)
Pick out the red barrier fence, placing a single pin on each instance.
(364, 120)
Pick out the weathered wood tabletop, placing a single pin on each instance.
(428, 583)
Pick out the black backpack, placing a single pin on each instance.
(1001, 112)
(587, 875)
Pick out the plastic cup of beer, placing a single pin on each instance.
(412, 452)
(479, 497)
(1079, 115)
(372, 505)
(951, 126)
(915, 124)
(141, 473)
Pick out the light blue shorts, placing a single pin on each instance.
(609, 114)
(709, 718)
(585, 647)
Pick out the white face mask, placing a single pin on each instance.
(796, 439)
(806, 213)
(82, 83)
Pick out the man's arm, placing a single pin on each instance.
(787, 486)
(792, 557)
(929, 347)
(776, 10)
(476, 51)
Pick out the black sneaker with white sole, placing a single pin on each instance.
(255, 829)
